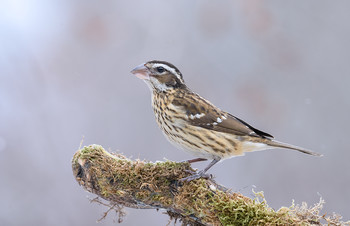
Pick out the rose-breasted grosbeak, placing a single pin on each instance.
(196, 125)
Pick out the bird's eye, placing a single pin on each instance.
(160, 69)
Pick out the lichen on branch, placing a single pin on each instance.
(140, 184)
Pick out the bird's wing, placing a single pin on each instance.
(202, 113)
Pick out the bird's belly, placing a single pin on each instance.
(201, 142)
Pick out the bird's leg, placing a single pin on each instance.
(201, 173)
(195, 160)
(192, 161)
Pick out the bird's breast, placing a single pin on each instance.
(199, 141)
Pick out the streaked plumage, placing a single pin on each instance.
(196, 125)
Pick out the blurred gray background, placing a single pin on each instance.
(282, 66)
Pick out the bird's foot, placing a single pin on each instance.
(194, 176)
(193, 160)
(190, 171)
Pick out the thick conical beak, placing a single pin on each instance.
(141, 72)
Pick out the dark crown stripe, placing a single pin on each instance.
(168, 64)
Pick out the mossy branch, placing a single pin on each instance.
(139, 184)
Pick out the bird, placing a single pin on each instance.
(197, 126)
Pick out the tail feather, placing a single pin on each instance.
(279, 144)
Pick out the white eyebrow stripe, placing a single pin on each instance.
(172, 70)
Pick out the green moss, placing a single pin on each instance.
(142, 195)
(115, 177)
(229, 208)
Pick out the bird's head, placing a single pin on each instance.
(160, 76)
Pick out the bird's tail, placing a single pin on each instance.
(279, 144)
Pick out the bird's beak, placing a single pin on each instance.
(141, 72)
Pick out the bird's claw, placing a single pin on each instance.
(190, 171)
(194, 176)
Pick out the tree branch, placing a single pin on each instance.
(144, 185)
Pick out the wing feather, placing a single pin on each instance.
(202, 113)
